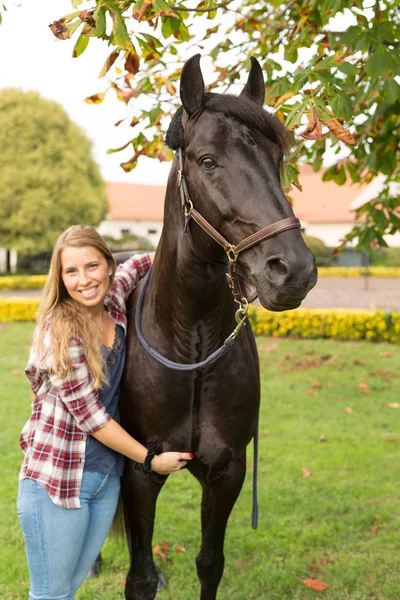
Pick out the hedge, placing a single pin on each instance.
(18, 309)
(22, 282)
(338, 324)
(359, 271)
(36, 282)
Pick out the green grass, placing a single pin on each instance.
(341, 525)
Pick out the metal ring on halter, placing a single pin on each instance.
(188, 207)
(231, 254)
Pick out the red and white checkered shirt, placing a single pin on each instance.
(66, 411)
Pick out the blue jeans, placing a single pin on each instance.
(62, 544)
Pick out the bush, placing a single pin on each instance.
(386, 257)
(18, 309)
(338, 324)
(323, 254)
(22, 282)
(358, 272)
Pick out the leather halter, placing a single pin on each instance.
(232, 250)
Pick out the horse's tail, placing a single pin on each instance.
(117, 527)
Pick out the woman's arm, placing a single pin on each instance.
(115, 437)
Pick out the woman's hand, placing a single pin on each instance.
(170, 462)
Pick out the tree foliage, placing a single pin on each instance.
(333, 88)
(49, 179)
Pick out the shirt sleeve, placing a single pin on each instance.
(78, 394)
(129, 273)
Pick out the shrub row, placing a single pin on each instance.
(338, 324)
(18, 309)
(358, 271)
(22, 282)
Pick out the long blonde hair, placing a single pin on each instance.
(64, 318)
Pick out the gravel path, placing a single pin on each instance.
(330, 292)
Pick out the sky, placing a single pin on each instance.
(33, 59)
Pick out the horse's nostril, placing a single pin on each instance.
(276, 268)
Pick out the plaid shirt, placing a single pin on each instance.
(65, 412)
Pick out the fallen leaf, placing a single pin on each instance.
(264, 432)
(306, 473)
(313, 393)
(349, 410)
(359, 361)
(161, 552)
(322, 438)
(391, 441)
(385, 354)
(363, 387)
(316, 384)
(16, 372)
(374, 529)
(180, 549)
(315, 584)
(394, 405)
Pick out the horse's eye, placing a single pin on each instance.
(208, 163)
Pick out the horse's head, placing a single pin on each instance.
(233, 151)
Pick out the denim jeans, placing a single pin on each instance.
(62, 544)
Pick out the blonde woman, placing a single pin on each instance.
(74, 447)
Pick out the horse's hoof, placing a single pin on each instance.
(162, 582)
(95, 568)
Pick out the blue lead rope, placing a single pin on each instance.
(226, 346)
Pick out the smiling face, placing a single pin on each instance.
(85, 274)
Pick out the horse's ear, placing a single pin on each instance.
(192, 85)
(255, 87)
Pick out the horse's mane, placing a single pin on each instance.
(241, 108)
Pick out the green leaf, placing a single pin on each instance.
(121, 35)
(99, 16)
(151, 39)
(348, 68)
(341, 106)
(352, 172)
(80, 46)
(166, 28)
(163, 9)
(380, 62)
(391, 93)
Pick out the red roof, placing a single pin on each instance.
(319, 202)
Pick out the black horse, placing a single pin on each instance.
(226, 174)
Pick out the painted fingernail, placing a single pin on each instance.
(191, 455)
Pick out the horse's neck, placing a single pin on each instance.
(184, 286)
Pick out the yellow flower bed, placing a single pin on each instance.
(22, 282)
(358, 271)
(339, 324)
(18, 309)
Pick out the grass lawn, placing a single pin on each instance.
(340, 525)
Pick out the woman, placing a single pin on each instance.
(74, 447)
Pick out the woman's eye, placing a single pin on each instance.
(208, 163)
(93, 266)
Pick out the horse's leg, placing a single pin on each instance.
(139, 493)
(219, 497)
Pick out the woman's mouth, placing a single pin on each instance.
(89, 292)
